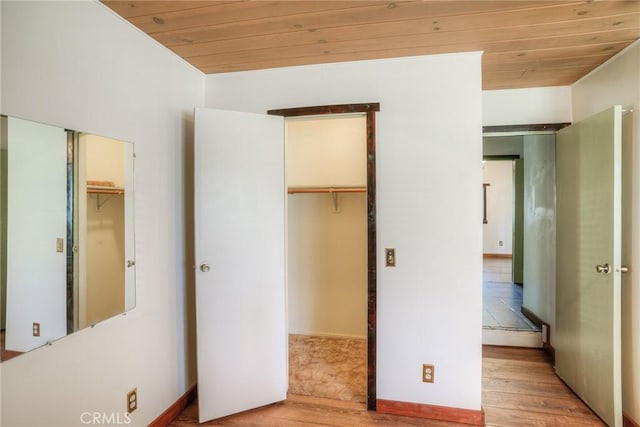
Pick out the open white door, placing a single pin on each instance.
(240, 255)
(589, 241)
(129, 237)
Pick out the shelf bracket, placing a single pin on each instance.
(336, 201)
(100, 204)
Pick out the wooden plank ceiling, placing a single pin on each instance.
(525, 43)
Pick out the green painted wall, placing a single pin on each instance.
(518, 225)
(3, 221)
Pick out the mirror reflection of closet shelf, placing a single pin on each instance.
(333, 191)
(107, 188)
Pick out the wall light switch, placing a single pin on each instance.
(59, 244)
(36, 329)
(390, 257)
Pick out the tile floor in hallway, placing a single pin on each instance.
(501, 298)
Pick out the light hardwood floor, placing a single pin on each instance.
(519, 388)
(4, 353)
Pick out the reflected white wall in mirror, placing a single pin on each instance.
(67, 232)
(36, 218)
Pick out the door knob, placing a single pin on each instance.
(624, 269)
(204, 267)
(606, 268)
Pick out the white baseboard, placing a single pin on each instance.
(512, 338)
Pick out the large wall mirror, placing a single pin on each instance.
(66, 235)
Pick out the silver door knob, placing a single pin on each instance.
(606, 268)
(204, 267)
(624, 269)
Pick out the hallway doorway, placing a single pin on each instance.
(506, 296)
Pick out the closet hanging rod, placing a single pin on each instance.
(96, 190)
(295, 190)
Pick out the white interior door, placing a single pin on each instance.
(240, 255)
(589, 241)
(129, 237)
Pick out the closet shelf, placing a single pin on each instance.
(103, 187)
(104, 190)
(297, 190)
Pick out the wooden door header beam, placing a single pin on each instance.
(543, 127)
(326, 109)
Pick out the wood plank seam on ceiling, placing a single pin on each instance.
(423, 21)
(130, 9)
(166, 37)
(335, 48)
(293, 62)
(481, 41)
(361, 30)
(580, 61)
(282, 53)
(608, 50)
(332, 13)
(267, 54)
(161, 23)
(560, 52)
(241, 57)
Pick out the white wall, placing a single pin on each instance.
(618, 82)
(77, 65)
(499, 226)
(539, 248)
(429, 211)
(526, 106)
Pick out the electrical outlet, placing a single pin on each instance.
(428, 373)
(546, 334)
(500, 243)
(390, 257)
(36, 329)
(132, 400)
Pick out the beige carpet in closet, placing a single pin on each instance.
(326, 366)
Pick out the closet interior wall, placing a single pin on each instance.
(103, 218)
